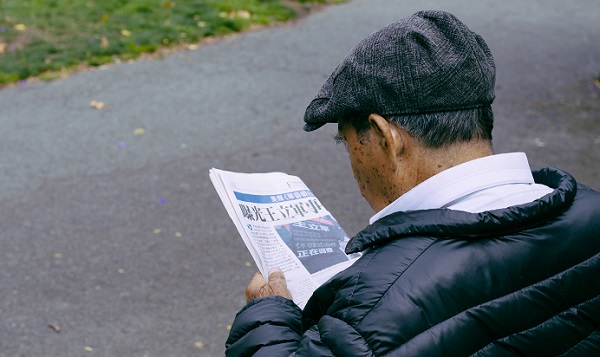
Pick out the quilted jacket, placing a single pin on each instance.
(524, 280)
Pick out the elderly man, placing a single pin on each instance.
(469, 253)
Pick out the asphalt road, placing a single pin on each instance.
(116, 244)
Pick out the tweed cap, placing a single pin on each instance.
(428, 62)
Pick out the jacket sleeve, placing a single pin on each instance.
(265, 326)
(271, 327)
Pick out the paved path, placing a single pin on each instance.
(119, 239)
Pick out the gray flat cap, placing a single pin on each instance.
(428, 62)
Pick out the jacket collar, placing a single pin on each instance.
(451, 223)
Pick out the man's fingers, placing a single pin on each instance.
(277, 284)
(276, 273)
(255, 285)
(259, 287)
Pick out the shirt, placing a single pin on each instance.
(491, 182)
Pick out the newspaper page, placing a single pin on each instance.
(284, 225)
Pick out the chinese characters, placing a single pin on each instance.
(283, 211)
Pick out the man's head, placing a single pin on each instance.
(411, 100)
(428, 62)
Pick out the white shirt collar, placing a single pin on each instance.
(459, 181)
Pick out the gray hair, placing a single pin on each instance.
(438, 129)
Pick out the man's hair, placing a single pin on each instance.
(437, 129)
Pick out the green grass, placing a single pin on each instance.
(41, 37)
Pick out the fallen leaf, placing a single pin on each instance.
(139, 132)
(20, 27)
(199, 345)
(104, 42)
(2, 47)
(88, 349)
(157, 231)
(96, 104)
(178, 235)
(248, 264)
(125, 32)
(54, 326)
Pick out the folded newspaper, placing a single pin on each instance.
(284, 225)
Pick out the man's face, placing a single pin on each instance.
(368, 164)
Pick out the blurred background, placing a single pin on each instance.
(113, 241)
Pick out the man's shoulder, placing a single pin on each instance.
(358, 288)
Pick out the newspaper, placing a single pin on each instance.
(284, 225)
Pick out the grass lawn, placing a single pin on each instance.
(40, 38)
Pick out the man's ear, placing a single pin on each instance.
(389, 136)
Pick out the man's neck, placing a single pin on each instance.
(434, 161)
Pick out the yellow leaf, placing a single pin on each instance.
(199, 345)
(20, 27)
(2, 47)
(125, 32)
(139, 132)
(104, 18)
(96, 104)
(88, 349)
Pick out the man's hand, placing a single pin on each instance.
(276, 285)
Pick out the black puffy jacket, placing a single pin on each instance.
(518, 281)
